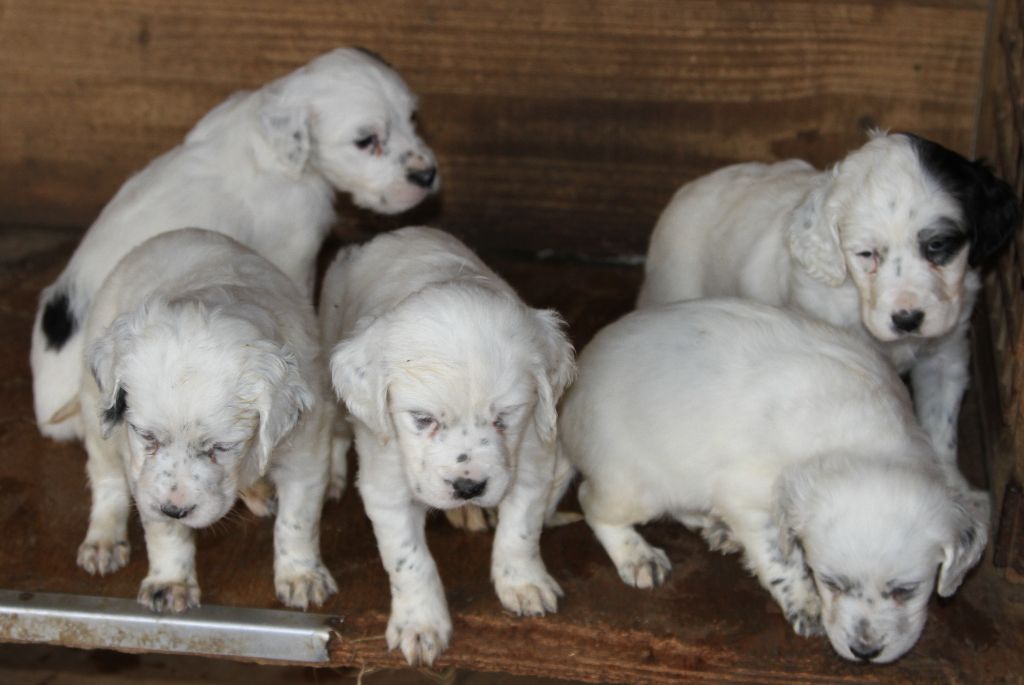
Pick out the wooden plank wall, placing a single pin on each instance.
(562, 125)
(1001, 141)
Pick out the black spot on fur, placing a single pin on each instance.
(990, 207)
(59, 322)
(113, 414)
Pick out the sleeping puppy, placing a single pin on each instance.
(451, 384)
(780, 437)
(887, 243)
(263, 168)
(202, 376)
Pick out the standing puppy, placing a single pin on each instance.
(451, 383)
(263, 168)
(203, 375)
(780, 437)
(887, 244)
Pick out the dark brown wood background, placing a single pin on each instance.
(562, 125)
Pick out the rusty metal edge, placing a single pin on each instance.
(89, 622)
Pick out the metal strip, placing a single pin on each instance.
(106, 623)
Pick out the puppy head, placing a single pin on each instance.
(457, 374)
(203, 400)
(873, 535)
(906, 219)
(349, 116)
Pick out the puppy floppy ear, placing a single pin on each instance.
(360, 377)
(559, 369)
(813, 235)
(105, 356)
(965, 540)
(995, 214)
(281, 396)
(285, 129)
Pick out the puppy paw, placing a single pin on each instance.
(301, 588)
(719, 537)
(806, 624)
(529, 592)
(422, 634)
(103, 556)
(169, 596)
(472, 518)
(647, 567)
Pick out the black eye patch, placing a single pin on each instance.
(941, 243)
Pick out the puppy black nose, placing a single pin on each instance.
(864, 652)
(468, 489)
(907, 320)
(424, 178)
(176, 512)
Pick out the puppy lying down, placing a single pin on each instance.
(203, 375)
(782, 438)
(451, 384)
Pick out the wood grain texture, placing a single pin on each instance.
(562, 125)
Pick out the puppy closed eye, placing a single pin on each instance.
(836, 585)
(149, 440)
(499, 424)
(902, 593)
(423, 421)
(219, 448)
(367, 142)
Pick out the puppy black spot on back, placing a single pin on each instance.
(59, 322)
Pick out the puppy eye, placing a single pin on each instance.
(903, 592)
(866, 254)
(148, 439)
(499, 424)
(832, 584)
(423, 421)
(366, 142)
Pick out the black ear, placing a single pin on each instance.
(113, 414)
(990, 207)
(997, 215)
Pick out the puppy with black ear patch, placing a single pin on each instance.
(202, 376)
(263, 167)
(781, 438)
(887, 243)
(450, 383)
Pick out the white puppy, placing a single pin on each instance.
(781, 437)
(886, 243)
(451, 383)
(202, 375)
(263, 168)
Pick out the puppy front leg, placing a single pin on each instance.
(300, 576)
(171, 582)
(419, 621)
(785, 576)
(105, 548)
(939, 380)
(523, 584)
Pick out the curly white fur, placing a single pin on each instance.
(202, 375)
(451, 384)
(781, 437)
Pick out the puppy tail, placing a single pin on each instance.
(564, 475)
